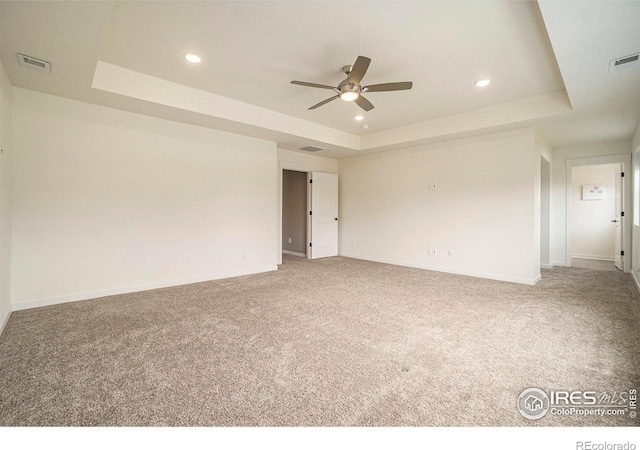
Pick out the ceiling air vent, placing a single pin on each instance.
(311, 148)
(34, 63)
(624, 62)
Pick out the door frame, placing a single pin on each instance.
(297, 167)
(625, 160)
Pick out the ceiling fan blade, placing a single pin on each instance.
(363, 103)
(324, 102)
(404, 85)
(315, 85)
(359, 69)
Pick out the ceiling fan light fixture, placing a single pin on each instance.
(349, 96)
(351, 88)
(349, 92)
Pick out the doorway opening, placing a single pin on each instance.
(308, 213)
(596, 204)
(595, 199)
(294, 213)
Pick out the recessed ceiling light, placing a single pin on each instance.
(192, 57)
(359, 117)
(483, 83)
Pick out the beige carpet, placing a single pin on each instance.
(325, 343)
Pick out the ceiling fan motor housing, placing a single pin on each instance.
(345, 87)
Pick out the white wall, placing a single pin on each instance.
(302, 162)
(306, 162)
(545, 212)
(635, 254)
(5, 197)
(542, 200)
(559, 189)
(592, 233)
(106, 201)
(483, 209)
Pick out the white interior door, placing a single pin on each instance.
(619, 260)
(324, 215)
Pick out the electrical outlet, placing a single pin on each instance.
(432, 251)
(289, 240)
(432, 186)
(450, 253)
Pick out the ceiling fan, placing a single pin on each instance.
(350, 89)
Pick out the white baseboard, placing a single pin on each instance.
(141, 287)
(546, 266)
(598, 258)
(469, 273)
(289, 252)
(3, 321)
(559, 264)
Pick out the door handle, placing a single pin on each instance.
(614, 221)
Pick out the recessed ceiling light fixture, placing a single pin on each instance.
(483, 83)
(192, 57)
(359, 117)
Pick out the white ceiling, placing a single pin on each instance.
(548, 64)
